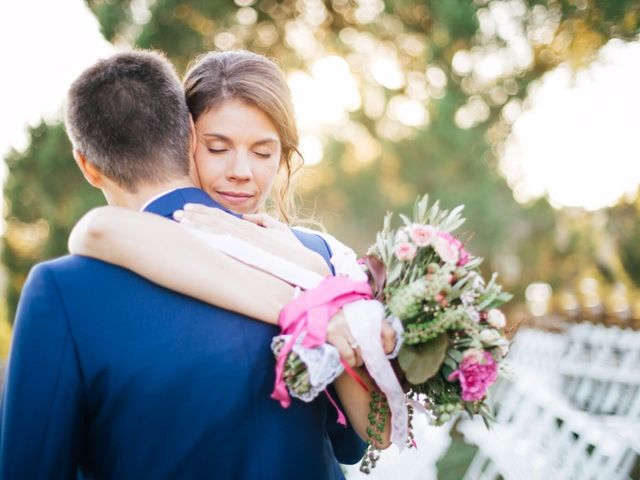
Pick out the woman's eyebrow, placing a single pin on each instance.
(218, 136)
(265, 141)
(224, 138)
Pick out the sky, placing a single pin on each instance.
(578, 141)
(575, 144)
(42, 57)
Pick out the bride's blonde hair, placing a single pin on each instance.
(216, 77)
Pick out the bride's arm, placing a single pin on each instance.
(136, 240)
(356, 405)
(277, 238)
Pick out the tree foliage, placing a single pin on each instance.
(375, 159)
(44, 195)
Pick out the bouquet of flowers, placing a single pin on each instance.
(453, 340)
(453, 331)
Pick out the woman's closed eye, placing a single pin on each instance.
(217, 150)
(263, 154)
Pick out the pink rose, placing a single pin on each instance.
(476, 373)
(447, 251)
(463, 256)
(405, 251)
(422, 235)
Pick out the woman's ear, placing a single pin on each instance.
(194, 136)
(193, 143)
(90, 172)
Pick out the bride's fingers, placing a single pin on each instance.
(254, 218)
(207, 213)
(356, 351)
(388, 337)
(196, 221)
(346, 352)
(216, 220)
(187, 222)
(264, 220)
(198, 207)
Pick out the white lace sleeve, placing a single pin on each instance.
(343, 258)
(322, 363)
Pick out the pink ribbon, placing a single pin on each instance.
(310, 314)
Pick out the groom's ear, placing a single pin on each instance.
(90, 172)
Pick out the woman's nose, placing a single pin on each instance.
(240, 167)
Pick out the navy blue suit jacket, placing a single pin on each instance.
(111, 376)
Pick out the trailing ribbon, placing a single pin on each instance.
(365, 318)
(310, 313)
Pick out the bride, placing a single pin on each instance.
(245, 148)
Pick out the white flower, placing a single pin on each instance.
(477, 282)
(468, 297)
(473, 314)
(489, 336)
(346, 263)
(496, 318)
(448, 252)
(402, 235)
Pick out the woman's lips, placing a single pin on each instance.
(235, 198)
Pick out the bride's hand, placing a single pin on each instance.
(275, 238)
(339, 335)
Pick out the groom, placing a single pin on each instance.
(111, 376)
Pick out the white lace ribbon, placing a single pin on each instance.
(262, 260)
(323, 365)
(364, 318)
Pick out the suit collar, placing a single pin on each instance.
(174, 200)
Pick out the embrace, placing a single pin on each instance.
(146, 353)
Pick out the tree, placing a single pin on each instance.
(430, 117)
(45, 195)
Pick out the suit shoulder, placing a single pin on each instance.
(58, 272)
(313, 240)
(70, 263)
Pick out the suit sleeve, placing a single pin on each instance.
(42, 406)
(347, 445)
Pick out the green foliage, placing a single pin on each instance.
(421, 362)
(44, 195)
(624, 224)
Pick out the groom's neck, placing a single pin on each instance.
(135, 201)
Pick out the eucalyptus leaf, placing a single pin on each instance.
(422, 362)
(406, 220)
(455, 354)
(505, 297)
(394, 273)
(487, 301)
(468, 410)
(449, 362)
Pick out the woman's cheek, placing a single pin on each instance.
(268, 175)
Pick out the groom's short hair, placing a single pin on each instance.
(128, 116)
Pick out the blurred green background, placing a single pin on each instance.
(418, 123)
(416, 120)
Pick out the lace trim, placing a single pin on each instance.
(323, 364)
